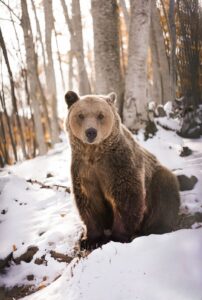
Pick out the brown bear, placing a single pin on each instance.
(121, 190)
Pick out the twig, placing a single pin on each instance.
(46, 186)
(10, 9)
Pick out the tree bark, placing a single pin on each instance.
(13, 95)
(35, 91)
(59, 59)
(108, 72)
(71, 71)
(75, 29)
(156, 92)
(41, 42)
(84, 84)
(52, 91)
(122, 4)
(173, 49)
(135, 104)
(3, 104)
(161, 76)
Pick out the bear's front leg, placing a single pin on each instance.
(128, 197)
(94, 211)
(88, 215)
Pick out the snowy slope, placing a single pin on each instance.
(162, 267)
(150, 268)
(31, 216)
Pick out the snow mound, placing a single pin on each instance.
(154, 267)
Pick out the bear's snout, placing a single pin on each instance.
(91, 134)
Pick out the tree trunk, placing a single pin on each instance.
(107, 49)
(71, 71)
(84, 84)
(52, 92)
(135, 104)
(35, 91)
(122, 4)
(156, 75)
(3, 104)
(41, 42)
(13, 95)
(75, 29)
(173, 48)
(160, 60)
(59, 59)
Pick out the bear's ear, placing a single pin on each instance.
(70, 98)
(111, 98)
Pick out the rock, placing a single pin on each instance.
(191, 133)
(187, 220)
(27, 256)
(187, 183)
(41, 260)
(5, 262)
(17, 292)
(150, 130)
(186, 151)
(30, 277)
(61, 257)
(48, 175)
(194, 133)
(4, 211)
(160, 111)
(191, 124)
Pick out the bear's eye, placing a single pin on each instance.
(100, 116)
(81, 116)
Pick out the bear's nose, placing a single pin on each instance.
(91, 134)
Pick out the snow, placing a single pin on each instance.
(168, 107)
(170, 123)
(165, 145)
(156, 267)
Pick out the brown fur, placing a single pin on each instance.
(120, 189)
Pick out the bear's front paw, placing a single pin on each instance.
(88, 244)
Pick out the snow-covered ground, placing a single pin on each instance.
(156, 267)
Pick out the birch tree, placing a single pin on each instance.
(84, 84)
(52, 91)
(134, 111)
(75, 29)
(34, 84)
(108, 72)
(41, 41)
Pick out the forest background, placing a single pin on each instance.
(146, 51)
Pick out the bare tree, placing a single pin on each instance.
(13, 95)
(173, 48)
(3, 105)
(35, 88)
(75, 29)
(41, 41)
(52, 92)
(135, 113)
(59, 59)
(160, 64)
(70, 64)
(108, 71)
(84, 84)
(189, 14)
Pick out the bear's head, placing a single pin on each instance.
(91, 118)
